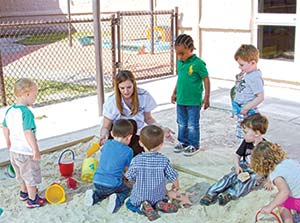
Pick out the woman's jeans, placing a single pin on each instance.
(188, 120)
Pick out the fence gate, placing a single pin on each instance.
(58, 51)
(145, 43)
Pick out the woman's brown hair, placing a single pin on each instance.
(124, 75)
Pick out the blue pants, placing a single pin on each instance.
(188, 120)
(132, 207)
(236, 110)
(102, 192)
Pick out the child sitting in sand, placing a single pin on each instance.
(148, 171)
(269, 160)
(19, 131)
(115, 158)
(241, 180)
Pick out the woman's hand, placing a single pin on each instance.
(104, 131)
(169, 134)
(102, 139)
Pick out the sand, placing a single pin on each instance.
(212, 162)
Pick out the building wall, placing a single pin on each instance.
(21, 7)
(224, 26)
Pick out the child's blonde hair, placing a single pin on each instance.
(265, 157)
(256, 122)
(151, 136)
(247, 53)
(23, 86)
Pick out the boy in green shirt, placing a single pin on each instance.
(192, 75)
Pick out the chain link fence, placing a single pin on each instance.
(59, 53)
(147, 47)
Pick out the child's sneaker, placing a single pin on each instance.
(190, 151)
(149, 211)
(224, 198)
(23, 196)
(166, 207)
(37, 202)
(113, 204)
(88, 199)
(178, 148)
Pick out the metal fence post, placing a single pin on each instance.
(176, 34)
(98, 54)
(69, 23)
(2, 86)
(113, 46)
(152, 27)
(119, 40)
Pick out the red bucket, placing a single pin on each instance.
(66, 166)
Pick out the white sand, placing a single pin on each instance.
(215, 160)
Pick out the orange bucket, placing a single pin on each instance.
(66, 166)
(55, 194)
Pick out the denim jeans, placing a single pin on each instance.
(102, 192)
(236, 109)
(188, 120)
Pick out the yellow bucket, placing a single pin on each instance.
(89, 167)
(55, 194)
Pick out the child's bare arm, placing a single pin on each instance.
(205, 102)
(237, 166)
(254, 103)
(175, 185)
(6, 136)
(281, 196)
(268, 184)
(173, 97)
(30, 137)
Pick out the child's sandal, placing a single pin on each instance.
(149, 211)
(166, 207)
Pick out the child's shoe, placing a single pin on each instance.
(37, 202)
(23, 196)
(190, 150)
(149, 211)
(166, 207)
(208, 200)
(224, 198)
(88, 198)
(178, 148)
(114, 204)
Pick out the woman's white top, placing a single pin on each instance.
(146, 104)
